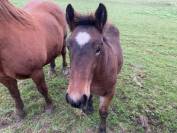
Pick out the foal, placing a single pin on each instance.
(29, 39)
(96, 59)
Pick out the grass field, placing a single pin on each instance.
(146, 92)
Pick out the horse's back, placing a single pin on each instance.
(35, 8)
(51, 20)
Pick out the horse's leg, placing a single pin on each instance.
(63, 53)
(11, 84)
(39, 79)
(103, 111)
(89, 106)
(52, 70)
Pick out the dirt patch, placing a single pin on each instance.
(5, 122)
(138, 75)
(143, 121)
(90, 130)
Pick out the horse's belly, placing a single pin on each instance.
(18, 72)
(53, 52)
(20, 63)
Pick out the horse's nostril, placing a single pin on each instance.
(67, 98)
(77, 104)
(84, 100)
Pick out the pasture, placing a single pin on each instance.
(146, 91)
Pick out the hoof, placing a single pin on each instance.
(49, 108)
(66, 71)
(88, 110)
(102, 130)
(20, 115)
(52, 72)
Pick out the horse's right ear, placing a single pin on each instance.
(101, 16)
(70, 16)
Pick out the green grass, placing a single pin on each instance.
(147, 85)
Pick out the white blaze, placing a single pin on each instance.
(82, 38)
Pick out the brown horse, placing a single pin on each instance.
(29, 39)
(96, 59)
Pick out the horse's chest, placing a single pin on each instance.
(96, 90)
(102, 88)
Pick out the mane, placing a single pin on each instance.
(86, 20)
(9, 13)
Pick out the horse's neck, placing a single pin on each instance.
(6, 9)
(102, 62)
(105, 61)
(9, 13)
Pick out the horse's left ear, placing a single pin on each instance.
(101, 17)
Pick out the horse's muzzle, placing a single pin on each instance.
(77, 104)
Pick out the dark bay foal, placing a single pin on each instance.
(29, 39)
(96, 59)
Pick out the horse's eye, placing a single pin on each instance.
(98, 51)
